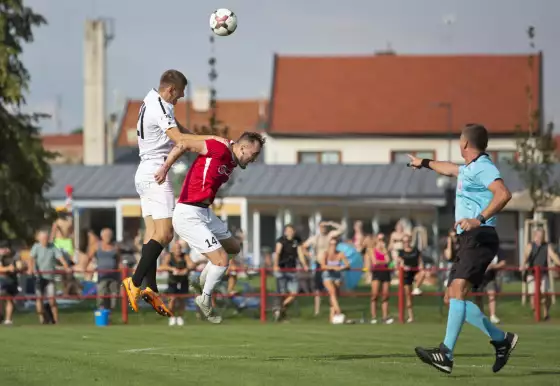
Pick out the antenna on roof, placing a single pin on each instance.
(387, 51)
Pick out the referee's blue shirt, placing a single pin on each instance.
(472, 195)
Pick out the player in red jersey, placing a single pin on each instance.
(193, 219)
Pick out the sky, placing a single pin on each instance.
(152, 36)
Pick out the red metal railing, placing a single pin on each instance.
(263, 293)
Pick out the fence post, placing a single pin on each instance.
(263, 295)
(124, 301)
(401, 293)
(537, 295)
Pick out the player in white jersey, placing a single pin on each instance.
(157, 132)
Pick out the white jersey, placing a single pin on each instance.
(156, 116)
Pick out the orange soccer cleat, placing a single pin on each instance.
(132, 292)
(155, 301)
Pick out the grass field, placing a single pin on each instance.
(242, 351)
(273, 354)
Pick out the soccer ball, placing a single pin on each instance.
(223, 22)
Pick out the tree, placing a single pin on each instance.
(24, 168)
(536, 149)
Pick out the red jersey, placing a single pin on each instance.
(207, 174)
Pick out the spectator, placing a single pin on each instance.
(332, 264)
(44, 258)
(107, 258)
(411, 261)
(450, 254)
(378, 259)
(490, 286)
(359, 237)
(538, 254)
(396, 241)
(62, 236)
(452, 246)
(178, 265)
(316, 245)
(9, 268)
(86, 264)
(288, 252)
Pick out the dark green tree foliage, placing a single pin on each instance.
(536, 148)
(24, 168)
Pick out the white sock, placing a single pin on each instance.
(214, 276)
(204, 273)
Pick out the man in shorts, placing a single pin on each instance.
(288, 252)
(194, 220)
(44, 259)
(480, 195)
(157, 130)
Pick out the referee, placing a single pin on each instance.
(480, 195)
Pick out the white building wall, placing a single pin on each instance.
(368, 150)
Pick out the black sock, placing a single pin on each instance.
(150, 278)
(150, 254)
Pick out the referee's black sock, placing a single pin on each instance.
(150, 278)
(150, 254)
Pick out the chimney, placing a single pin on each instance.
(201, 99)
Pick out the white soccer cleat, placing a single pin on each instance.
(180, 321)
(416, 292)
(207, 310)
(172, 321)
(494, 319)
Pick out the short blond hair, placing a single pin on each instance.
(173, 78)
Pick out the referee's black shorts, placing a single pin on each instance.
(477, 249)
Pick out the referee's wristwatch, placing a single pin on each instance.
(481, 219)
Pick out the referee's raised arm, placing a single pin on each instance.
(441, 167)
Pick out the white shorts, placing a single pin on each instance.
(157, 201)
(545, 284)
(199, 227)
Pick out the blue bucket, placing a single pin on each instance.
(102, 317)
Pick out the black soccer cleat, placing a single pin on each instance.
(504, 350)
(436, 357)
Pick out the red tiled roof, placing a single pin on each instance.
(239, 115)
(394, 94)
(56, 140)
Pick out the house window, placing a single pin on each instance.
(401, 157)
(319, 157)
(502, 156)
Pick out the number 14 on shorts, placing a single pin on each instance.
(210, 242)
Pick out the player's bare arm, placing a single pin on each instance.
(501, 196)
(441, 167)
(187, 142)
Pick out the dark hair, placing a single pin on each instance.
(252, 137)
(173, 78)
(477, 135)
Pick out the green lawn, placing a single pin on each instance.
(250, 353)
(242, 351)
